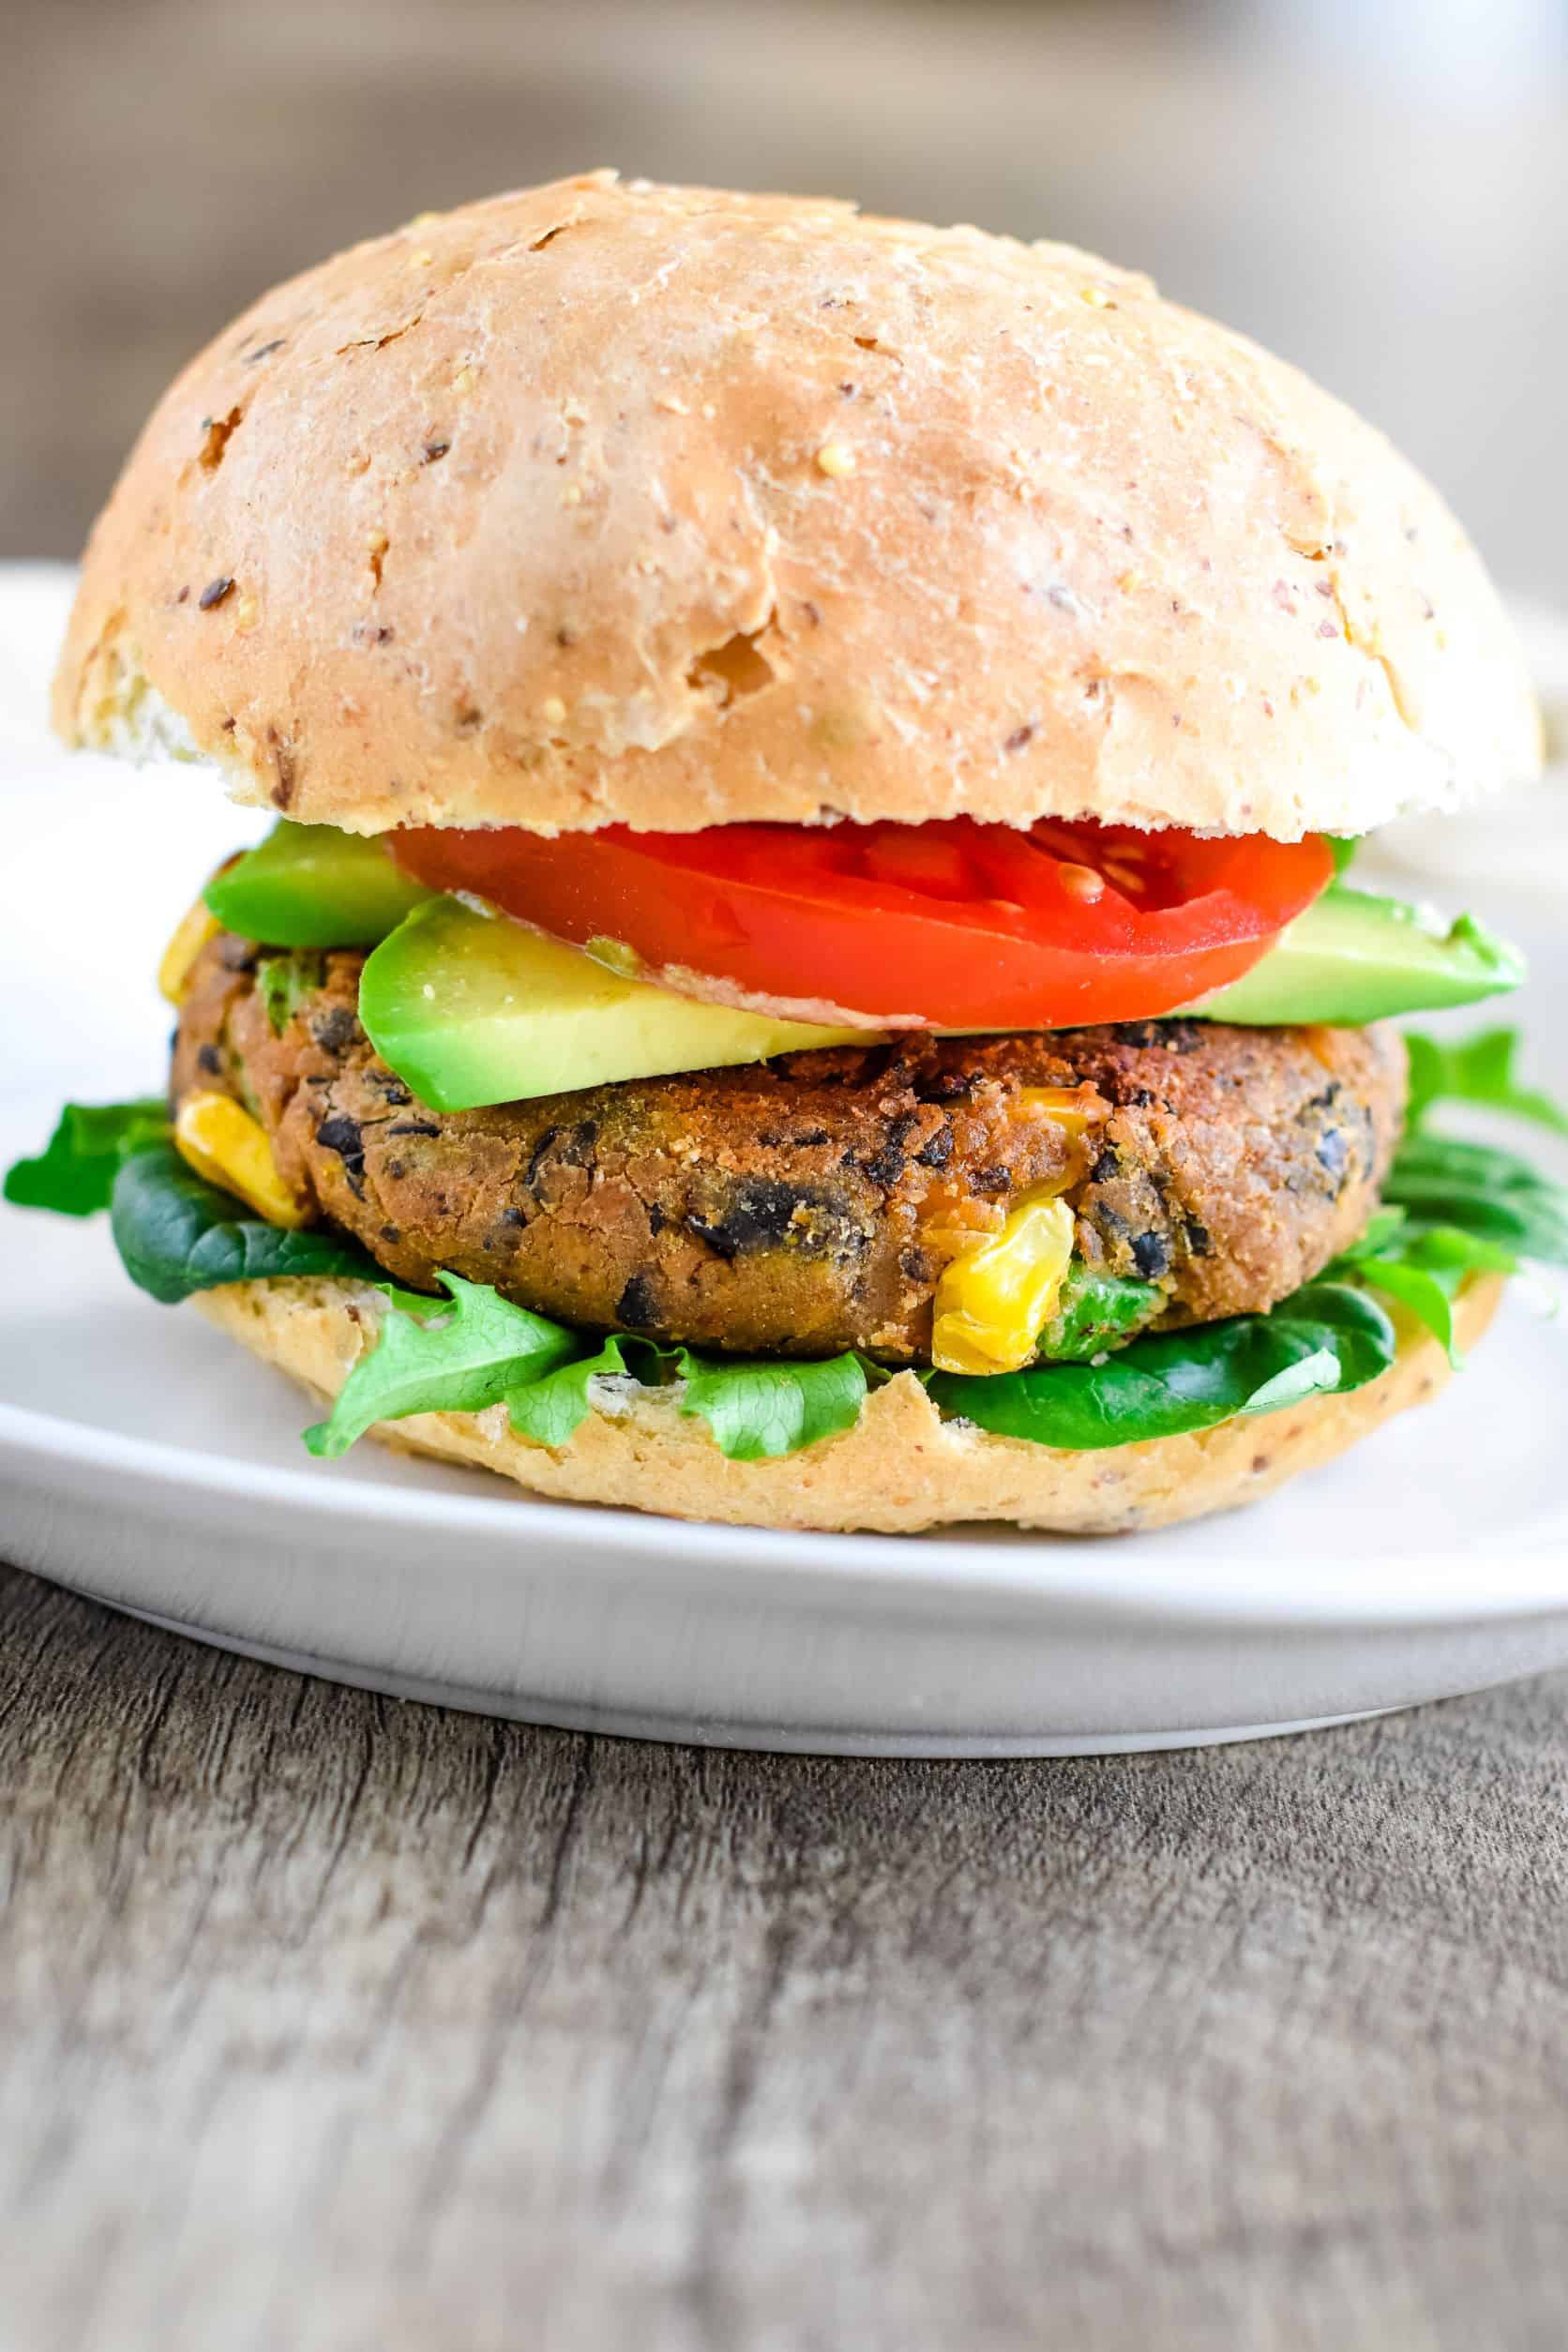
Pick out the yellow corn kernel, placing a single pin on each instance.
(1071, 1108)
(190, 937)
(992, 1303)
(221, 1141)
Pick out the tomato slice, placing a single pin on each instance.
(951, 924)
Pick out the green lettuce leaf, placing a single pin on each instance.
(760, 1409)
(1330, 1337)
(456, 1358)
(176, 1234)
(1483, 1070)
(756, 1409)
(552, 1405)
(74, 1173)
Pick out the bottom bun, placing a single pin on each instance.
(899, 1469)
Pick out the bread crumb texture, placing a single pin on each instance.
(607, 501)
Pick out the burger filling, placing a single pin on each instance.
(1099, 1132)
(826, 1201)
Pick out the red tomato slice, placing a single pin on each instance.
(951, 924)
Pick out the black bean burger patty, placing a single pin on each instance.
(810, 1204)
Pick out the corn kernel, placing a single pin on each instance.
(1070, 1108)
(836, 458)
(992, 1303)
(178, 959)
(221, 1140)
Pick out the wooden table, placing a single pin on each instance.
(329, 2022)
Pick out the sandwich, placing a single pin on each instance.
(804, 971)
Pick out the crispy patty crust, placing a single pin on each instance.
(810, 1204)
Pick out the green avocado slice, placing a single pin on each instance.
(1354, 958)
(470, 1008)
(312, 886)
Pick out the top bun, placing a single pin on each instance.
(609, 502)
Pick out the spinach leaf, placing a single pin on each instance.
(1382, 1230)
(1330, 1337)
(74, 1173)
(1456, 1208)
(1482, 1190)
(1423, 1267)
(1482, 1069)
(176, 1234)
(1421, 1290)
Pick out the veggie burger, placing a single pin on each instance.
(802, 973)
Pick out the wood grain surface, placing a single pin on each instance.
(329, 2022)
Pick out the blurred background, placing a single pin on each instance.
(1377, 187)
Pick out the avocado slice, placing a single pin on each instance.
(312, 886)
(470, 1008)
(1354, 958)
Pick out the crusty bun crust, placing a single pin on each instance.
(900, 1469)
(604, 501)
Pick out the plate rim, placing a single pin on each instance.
(1434, 1587)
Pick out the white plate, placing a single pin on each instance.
(145, 1461)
